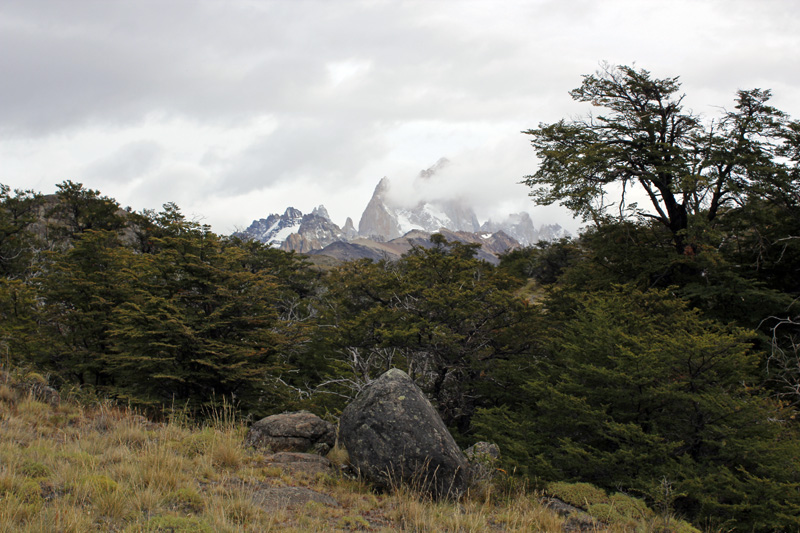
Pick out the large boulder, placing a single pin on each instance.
(300, 431)
(394, 435)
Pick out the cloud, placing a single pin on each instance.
(237, 109)
(128, 162)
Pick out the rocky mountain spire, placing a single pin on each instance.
(379, 221)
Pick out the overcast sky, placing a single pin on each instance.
(236, 109)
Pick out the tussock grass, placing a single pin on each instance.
(80, 468)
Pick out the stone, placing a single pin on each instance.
(575, 519)
(483, 459)
(394, 436)
(299, 431)
(295, 462)
(277, 498)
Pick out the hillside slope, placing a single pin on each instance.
(69, 467)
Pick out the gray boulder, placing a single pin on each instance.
(300, 431)
(278, 498)
(483, 459)
(394, 435)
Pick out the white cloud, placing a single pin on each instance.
(237, 109)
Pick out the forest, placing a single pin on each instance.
(657, 353)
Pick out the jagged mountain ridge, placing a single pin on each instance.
(387, 228)
(491, 246)
(386, 218)
(274, 229)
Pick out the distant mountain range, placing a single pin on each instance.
(388, 229)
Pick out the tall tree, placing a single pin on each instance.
(19, 211)
(690, 170)
(78, 209)
(81, 288)
(201, 323)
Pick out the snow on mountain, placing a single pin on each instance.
(295, 231)
(275, 229)
(388, 217)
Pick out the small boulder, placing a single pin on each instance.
(394, 435)
(483, 459)
(277, 498)
(300, 431)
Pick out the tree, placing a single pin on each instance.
(690, 171)
(449, 319)
(78, 209)
(18, 213)
(634, 387)
(201, 323)
(81, 287)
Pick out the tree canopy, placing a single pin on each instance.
(690, 169)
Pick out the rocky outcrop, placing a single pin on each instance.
(575, 519)
(292, 432)
(519, 226)
(347, 251)
(394, 436)
(274, 229)
(349, 230)
(294, 231)
(316, 231)
(385, 218)
(321, 212)
(378, 221)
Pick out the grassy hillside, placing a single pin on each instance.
(71, 467)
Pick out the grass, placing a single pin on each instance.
(76, 468)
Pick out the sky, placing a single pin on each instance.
(236, 109)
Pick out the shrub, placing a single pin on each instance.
(578, 494)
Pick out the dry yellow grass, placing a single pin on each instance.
(74, 468)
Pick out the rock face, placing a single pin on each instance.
(385, 218)
(294, 231)
(292, 432)
(274, 229)
(349, 230)
(378, 221)
(394, 435)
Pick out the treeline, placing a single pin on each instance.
(657, 355)
(566, 354)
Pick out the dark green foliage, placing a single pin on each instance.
(439, 313)
(19, 315)
(690, 171)
(635, 388)
(202, 322)
(78, 209)
(641, 254)
(544, 262)
(18, 244)
(153, 309)
(83, 286)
